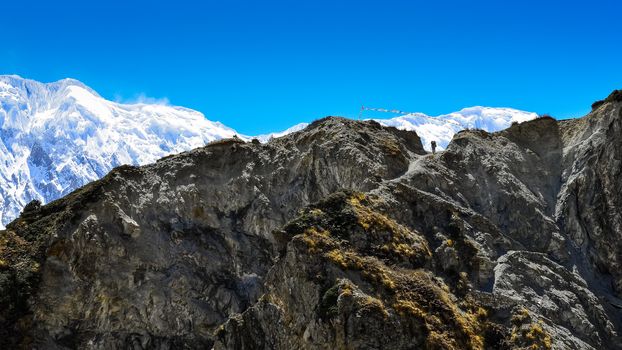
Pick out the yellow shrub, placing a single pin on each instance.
(337, 257)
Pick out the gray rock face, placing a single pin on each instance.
(590, 197)
(343, 235)
(170, 250)
(550, 290)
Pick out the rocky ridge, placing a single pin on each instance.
(343, 235)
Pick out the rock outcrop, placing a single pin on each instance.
(343, 235)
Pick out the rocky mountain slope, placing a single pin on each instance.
(343, 235)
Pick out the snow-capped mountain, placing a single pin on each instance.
(443, 127)
(59, 136)
(272, 135)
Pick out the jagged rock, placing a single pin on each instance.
(352, 278)
(591, 193)
(343, 235)
(559, 295)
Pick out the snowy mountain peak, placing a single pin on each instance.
(295, 128)
(16, 86)
(443, 127)
(55, 137)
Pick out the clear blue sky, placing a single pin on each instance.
(265, 65)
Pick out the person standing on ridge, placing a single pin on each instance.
(433, 144)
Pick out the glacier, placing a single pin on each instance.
(56, 137)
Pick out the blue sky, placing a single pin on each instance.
(263, 66)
